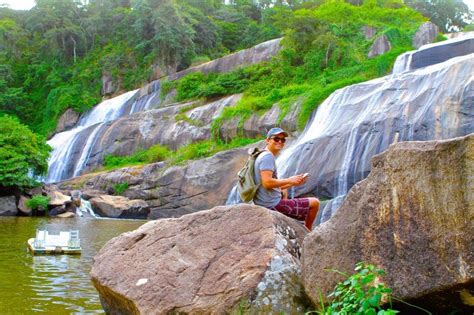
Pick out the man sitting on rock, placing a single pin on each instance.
(272, 191)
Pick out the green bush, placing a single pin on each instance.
(192, 151)
(119, 188)
(38, 202)
(23, 154)
(361, 293)
(153, 154)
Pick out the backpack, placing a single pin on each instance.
(246, 186)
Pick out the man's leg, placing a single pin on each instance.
(313, 211)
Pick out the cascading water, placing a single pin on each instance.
(72, 148)
(357, 122)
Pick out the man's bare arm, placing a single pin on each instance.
(268, 182)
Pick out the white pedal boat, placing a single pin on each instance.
(62, 243)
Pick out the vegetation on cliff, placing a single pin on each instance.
(324, 50)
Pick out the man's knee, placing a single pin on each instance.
(313, 202)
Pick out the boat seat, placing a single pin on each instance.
(40, 239)
(74, 241)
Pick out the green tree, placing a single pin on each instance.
(449, 15)
(23, 154)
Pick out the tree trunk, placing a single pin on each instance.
(74, 47)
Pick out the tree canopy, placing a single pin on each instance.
(23, 154)
(448, 15)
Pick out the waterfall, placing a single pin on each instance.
(72, 149)
(85, 210)
(359, 121)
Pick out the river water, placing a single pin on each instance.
(52, 284)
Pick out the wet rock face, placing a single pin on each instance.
(426, 34)
(360, 121)
(212, 262)
(412, 217)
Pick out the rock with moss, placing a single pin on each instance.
(240, 258)
(412, 217)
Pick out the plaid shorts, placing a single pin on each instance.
(297, 208)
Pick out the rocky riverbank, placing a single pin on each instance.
(412, 216)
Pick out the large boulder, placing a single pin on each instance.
(380, 46)
(261, 52)
(8, 206)
(57, 198)
(426, 34)
(108, 85)
(412, 217)
(22, 208)
(236, 258)
(119, 207)
(67, 120)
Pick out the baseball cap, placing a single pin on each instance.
(275, 131)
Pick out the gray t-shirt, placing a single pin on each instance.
(266, 197)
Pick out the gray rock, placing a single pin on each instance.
(57, 198)
(57, 210)
(426, 34)
(108, 85)
(22, 208)
(119, 207)
(261, 52)
(66, 215)
(412, 217)
(369, 32)
(67, 120)
(228, 259)
(380, 46)
(8, 206)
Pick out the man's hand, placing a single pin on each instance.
(296, 180)
(284, 193)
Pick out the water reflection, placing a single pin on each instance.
(52, 284)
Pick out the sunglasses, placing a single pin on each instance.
(278, 139)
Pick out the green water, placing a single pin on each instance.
(51, 284)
